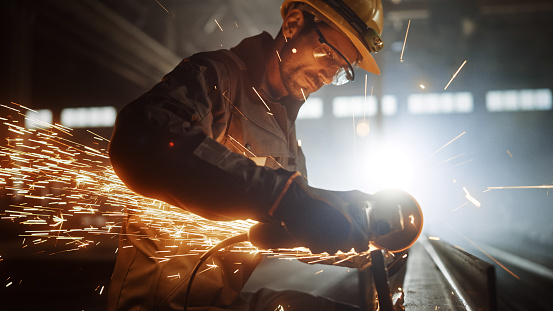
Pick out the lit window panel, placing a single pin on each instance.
(440, 103)
(38, 118)
(519, 100)
(389, 105)
(359, 106)
(311, 109)
(88, 117)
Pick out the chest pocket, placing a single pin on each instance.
(264, 147)
(252, 129)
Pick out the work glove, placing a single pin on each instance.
(332, 221)
(321, 220)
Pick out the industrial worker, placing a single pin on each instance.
(216, 137)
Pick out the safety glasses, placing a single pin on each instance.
(328, 56)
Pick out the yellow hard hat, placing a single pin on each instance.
(360, 20)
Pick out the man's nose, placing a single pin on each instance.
(327, 74)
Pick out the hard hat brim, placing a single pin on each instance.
(367, 61)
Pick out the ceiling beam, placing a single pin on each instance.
(114, 42)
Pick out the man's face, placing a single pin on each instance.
(299, 68)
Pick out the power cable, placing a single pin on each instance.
(232, 240)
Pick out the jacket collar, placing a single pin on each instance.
(254, 52)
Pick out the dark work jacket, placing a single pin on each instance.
(209, 139)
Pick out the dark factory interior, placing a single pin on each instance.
(461, 117)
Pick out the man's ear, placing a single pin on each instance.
(293, 23)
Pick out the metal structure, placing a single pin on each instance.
(461, 281)
(61, 54)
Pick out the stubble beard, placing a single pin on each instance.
(291, 72)
(289, 76)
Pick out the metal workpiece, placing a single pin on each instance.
(442, 277)
(474, 276)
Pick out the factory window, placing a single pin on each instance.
(311, 109)
(359, 106)
(389, 105)
(519, 100)
(38, 118)
(88, 117)
(439, 103)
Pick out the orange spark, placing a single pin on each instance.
(447, 144)
(405, 40)
(455, 75)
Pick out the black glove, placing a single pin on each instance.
(322, 220)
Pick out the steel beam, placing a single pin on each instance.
(110, 40)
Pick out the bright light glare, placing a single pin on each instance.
(390, 167)
(363, 128)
